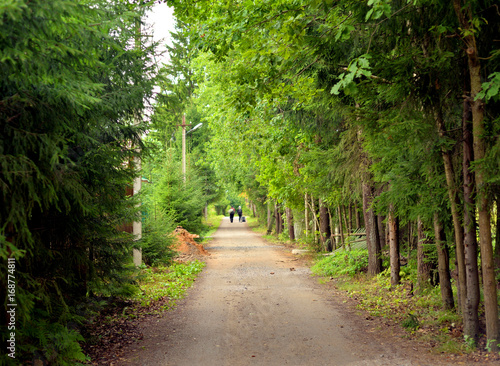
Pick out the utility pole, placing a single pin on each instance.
(137, 225)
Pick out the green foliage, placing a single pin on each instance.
(71, 86)
(490, 89)
(171, 281)
(177, 86)
(213, 221)
(235, 200)
(342, 262)
(60, 345)
(181, 201)
(470, 342)
(411, 322)
(490, 343)
(295, 97)
(323, 97)
(156, 239)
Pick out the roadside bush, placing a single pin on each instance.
(342, 263)
(156, 242)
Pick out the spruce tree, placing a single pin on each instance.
(71, 86)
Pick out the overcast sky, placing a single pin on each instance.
(162, 20)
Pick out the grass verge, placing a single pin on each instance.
(212, 223)
(419, 313)
(167, 283)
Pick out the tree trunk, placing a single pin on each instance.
(412, 243)
(358, 218)
(443, 265)
(289, 223)
(324, 226)
(470, 311)
(269, 215)
(270, 220)
(464, 15)
(306, 215)
(394, 247)
(341, 230)
(487, 263)
(381, 229)
(315, 220)
(425, 266)
(455, 211)
(497, 246)
(279, 219)
(346, 224)
(333, 231)
(349, 225)
(374, 260)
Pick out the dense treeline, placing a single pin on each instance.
(181, 195)
(379, 112)
(74, 83)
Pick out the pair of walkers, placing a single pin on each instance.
(231, 213)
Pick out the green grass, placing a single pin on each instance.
(212, 223)
(419, 313)
(167, 282)
(254, 224)
(342, 262)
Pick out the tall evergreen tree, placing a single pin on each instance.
(71, 87)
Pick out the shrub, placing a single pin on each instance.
(342, 263)
(156, 241)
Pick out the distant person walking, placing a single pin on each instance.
(240, 212)
(231, 214)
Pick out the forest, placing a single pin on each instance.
(335, 122)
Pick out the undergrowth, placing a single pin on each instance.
(419, 312)
(167, 282)
(342, 263)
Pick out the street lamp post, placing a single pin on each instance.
(184, 133)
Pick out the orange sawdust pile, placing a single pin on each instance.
(185, 244)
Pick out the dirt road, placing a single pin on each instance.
(255, 305)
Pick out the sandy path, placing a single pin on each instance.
(253, 305)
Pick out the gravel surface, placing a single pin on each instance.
(256, 304)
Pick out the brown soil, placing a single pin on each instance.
(186, 247)
(257, 304)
